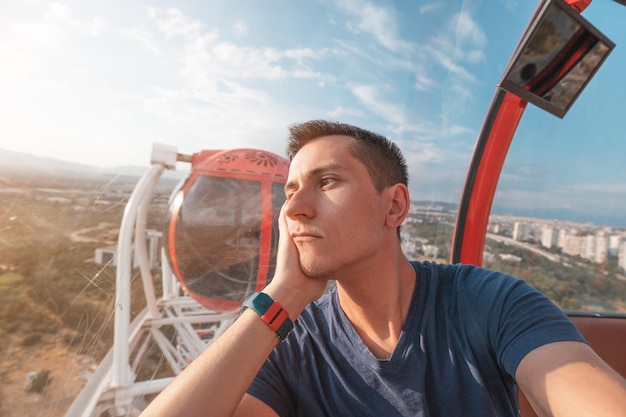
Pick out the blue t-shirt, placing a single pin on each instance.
(465, 334)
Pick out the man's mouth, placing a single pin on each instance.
(305, 236)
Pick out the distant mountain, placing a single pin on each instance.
(564, 215)
(538, 213)
(26, 161)
(435, 205)
(11, 160)
(21, 161)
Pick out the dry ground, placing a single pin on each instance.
(68, 372)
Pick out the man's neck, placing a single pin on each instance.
(377, 305)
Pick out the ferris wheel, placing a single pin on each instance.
(219, 244)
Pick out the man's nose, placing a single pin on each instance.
(299, 204)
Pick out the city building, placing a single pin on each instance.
(614, 244)
(621, 256)
(549, 237)
(522, 231)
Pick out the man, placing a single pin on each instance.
(395, 337)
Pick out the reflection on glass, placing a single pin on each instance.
(218, 237)
(560, 55)
(565, 91)
(546, 42)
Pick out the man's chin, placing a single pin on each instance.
(316, 272)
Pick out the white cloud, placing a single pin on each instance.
(232, 117)
(233, 61)
(510, 5)
(209, 88)
(208, 61)
(457, 49)
(240, 28)
(95, 26)
(172, 22)
(61, 13)
(422, 81)
(301, 53)
(533, 185)
(431, 7)
(443, 53)
(465, 46)
(378, 21)
(39, 34)
(467, 31)
(393, 113)
(370, 97)
(475, 56)
(340, 111)
(617, 188)
(216, 96)
(143, 36)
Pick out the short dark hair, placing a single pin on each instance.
(382, 158)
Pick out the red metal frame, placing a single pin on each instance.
(482, 178)
(492, 145)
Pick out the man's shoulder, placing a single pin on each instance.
(457, 271)
(465, 280)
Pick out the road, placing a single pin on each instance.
(507, 240)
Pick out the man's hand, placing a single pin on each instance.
(290, 286)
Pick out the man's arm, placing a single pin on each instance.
(570, 379)
(215, 383)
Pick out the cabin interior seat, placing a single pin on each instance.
(606, 335)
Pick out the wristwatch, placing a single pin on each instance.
(271, 312)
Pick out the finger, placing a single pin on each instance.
(286, 245)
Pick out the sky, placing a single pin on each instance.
(99, 82)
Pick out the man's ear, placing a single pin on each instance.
(399, 204)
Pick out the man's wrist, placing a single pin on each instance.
(293, 300)
(271, 313)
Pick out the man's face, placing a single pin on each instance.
(334, 213)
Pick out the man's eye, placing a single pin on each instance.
(327, 181)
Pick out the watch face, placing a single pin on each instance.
(278, 319)
(262, 302)
(257, 301)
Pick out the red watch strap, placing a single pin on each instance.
(271, 312)
(275, 316)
